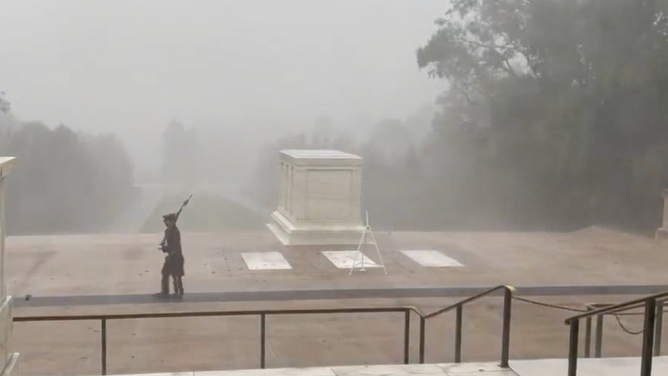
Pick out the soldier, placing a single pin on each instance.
(174, 261)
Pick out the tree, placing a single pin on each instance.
(66, 182)
(5, 106)
(566, 99)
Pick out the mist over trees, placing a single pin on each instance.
(554, 119)
(64, 182)
(391, 165)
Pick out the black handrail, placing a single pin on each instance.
(459, 306)
(598, 339)
(261, 313)
(650, 304)
(505, 338)
(631, 304)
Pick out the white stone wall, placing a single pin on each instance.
(3, 285)
(6, 355)
(5, 332)
(329, 195)
(320, 185)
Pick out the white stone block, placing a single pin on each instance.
(5, 331)
(3, 284)
(8, 360)
(319, 198)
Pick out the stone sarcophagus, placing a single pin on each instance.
(319, 198)
(8, 359)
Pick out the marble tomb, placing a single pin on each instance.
(319, 198)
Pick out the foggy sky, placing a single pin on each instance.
(129, 66)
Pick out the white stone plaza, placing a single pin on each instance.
(320, 198)
(8, 359)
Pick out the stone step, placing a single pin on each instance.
(463, 369)
(541, 367)
(588, 367)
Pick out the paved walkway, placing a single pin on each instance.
(116, 264)
(104, 265)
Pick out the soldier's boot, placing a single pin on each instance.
(164, 287)
(180, 283)
(177, 291)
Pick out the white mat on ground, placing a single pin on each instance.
(345, 259)
(265, 261)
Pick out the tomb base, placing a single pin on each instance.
(290, 233)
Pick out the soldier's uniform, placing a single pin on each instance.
(174, 261)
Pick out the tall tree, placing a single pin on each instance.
(5, 106)
(567, 96)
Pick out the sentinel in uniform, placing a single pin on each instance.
(174, 261)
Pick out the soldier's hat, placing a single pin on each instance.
(169, 217)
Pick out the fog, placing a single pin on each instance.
(505, 115)
(255, 68)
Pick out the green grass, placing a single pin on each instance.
(205, 214)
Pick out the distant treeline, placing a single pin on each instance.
(64, 182)
(555, 118)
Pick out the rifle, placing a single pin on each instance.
(178, 213)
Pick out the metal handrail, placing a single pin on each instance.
(459, 306)
(649, 302)
(162, 315)
(631, 304)
(406, 310)
(263, 324)
(598, 335)
(473, 298)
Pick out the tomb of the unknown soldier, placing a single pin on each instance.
(319, 198)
